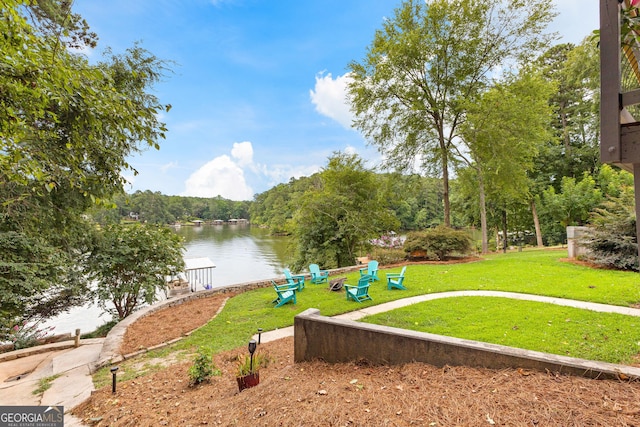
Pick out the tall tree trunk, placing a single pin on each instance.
(504, 230)
(536, 223)
(483, 214)
(445, 184)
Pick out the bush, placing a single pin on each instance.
(611, 239)
(388, 256)
(26, 335)
(202, 369)
(102, 330)
(438, 243)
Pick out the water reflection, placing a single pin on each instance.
(241, 253)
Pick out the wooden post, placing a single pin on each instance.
(77, 338)
(609, 82)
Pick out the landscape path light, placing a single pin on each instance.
(252, 349)
(113, 380)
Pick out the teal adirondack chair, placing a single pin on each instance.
(317, 275)
(286, 293)
(394, 280)
(371, 271)
(361, 292)
(295, 280)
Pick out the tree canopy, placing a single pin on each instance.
(67, 128)
(407, 93)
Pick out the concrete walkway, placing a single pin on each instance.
(21, 371)
(69, 368)
(392, 305)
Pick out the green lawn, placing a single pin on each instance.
(535, 326)
(531, 325)
(535, 271)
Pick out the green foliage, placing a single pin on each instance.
(102, 330)
(439, 242)
(570, 206)
(245, 366)
(339, 214)
(156, 208)
(611, 238)
(430, 57)
(37, 280)
(67, 128)
(130, 263)
(387, 256)
(27, 335)
(44, 384)
(202, 369)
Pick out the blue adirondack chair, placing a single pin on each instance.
(317, 275)
(394, 280)
(371, 271)
(286, 293)
(295, 280)
(361, 292)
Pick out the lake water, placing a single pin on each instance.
(240, 252)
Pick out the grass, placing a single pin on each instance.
(44, 384)
(535, 272)
(530, 325)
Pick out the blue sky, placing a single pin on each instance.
(257, 87)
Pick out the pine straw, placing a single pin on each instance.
(171, 322)
(357, 394)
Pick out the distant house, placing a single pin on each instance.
(233, 221)
(218, 222)
(197, 222)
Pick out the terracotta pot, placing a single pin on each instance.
(247, 381)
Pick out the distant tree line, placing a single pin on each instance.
(157, 208)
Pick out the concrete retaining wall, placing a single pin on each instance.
(334, 340)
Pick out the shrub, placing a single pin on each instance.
(611, 239)
(202, 369)
(29, 335)
(438, 243)
(102, 330)
(388, 256)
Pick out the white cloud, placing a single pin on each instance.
(330, 98)
(223, 176)
(243, 153)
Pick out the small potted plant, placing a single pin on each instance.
(248, 374)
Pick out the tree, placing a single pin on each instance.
(575, 150)
(501, 139)
(130, 263)
(569, 206)
(66, 130)
(408, 93)
(341, 211)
